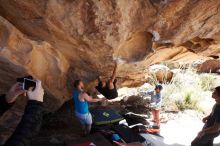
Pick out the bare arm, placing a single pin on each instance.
(114, 73)
(207, 116)
(88, 98)
(150, 93)
(213, 129)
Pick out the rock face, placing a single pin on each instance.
(60, 41)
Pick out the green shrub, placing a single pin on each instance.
(187, 89)
(207, 82)
(187, 103)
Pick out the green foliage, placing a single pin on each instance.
(187, 88)
(207, 82)
(187, 103)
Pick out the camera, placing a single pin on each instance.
(27, 82)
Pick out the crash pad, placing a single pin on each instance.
(130, 144)
(154, 140)
(96, 139)
(133, 119)
(127, 134)
(105, 116)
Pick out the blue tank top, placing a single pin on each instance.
(80, 107)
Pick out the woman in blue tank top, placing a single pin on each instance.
(81, 102)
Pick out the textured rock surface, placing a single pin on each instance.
(59, 41)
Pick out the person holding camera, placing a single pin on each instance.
(31, 121)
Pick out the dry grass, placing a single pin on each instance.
(186, 89)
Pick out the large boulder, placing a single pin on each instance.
(164, 76)
(160, 73)
(210, 66)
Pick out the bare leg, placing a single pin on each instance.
(153, 114)
(84, 129)
(88, 129)
(157, 117)
(103, 84)
(110, 85)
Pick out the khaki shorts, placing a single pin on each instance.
(85, 119)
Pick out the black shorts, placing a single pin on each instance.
(108, 93)
(112, 94)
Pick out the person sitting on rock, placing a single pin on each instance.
(30, 124)
(108, 89)
(211, 128)
(81, 100)
(156, 100)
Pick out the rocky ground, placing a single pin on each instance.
(178, 129)
(179, 126)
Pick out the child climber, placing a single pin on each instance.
(156, 100)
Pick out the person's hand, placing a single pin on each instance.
(14, 92)
(37, 94)
(201, 134)
(204, 120)
(103, 99)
